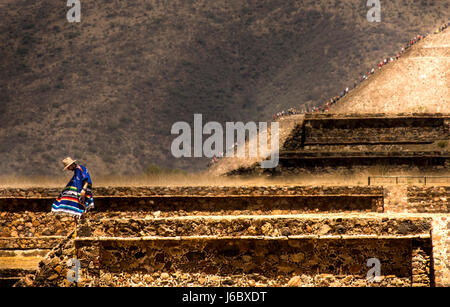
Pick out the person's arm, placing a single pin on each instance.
(83, 191)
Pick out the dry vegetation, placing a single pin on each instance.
(106, 91)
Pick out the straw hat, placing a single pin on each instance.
(67, 162)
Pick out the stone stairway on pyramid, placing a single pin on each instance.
(230, 236)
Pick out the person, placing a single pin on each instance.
(213, 161)
(77, 197)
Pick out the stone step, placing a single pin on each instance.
(182, 279)
(16, 264)
(354, 129)
(342, 162)
(402, 244)
(312, 198)
(13, 267)
(307, 225)
(188, 198)
(17, 243)
(30, 194)
(196, 261)
(319, 155)
(6, 282)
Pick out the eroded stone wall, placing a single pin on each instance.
(13, 197)
(227, 262)
(417, 199)
(428, 199)
(280, 226)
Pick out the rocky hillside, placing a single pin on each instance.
(107, 90)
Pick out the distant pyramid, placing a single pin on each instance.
(397, 121)
(418, 82)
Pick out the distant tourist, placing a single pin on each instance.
(76, 198)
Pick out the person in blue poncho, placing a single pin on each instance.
(77, 197)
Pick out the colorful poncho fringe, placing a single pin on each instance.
(69, 199)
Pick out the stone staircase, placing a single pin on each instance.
(354, 143)
(229, 236)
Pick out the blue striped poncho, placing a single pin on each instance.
(69, 199)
